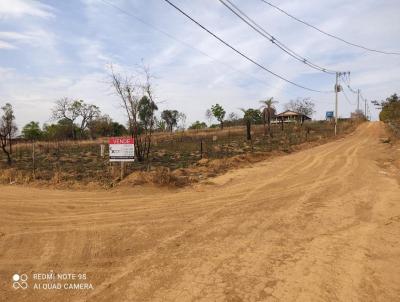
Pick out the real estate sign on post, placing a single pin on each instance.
(121, 149)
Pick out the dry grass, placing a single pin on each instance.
(175, 159)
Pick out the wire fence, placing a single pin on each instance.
(82, 161)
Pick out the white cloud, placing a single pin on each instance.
(6, 45)
(35, 37)
(21, 8)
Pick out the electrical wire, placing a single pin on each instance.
(347, 99)
(331, 35)
(259, 29)
(183, 42)
(351, 89)
(240, 53)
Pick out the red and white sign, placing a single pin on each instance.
(121, 149)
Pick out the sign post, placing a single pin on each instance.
(121, 149)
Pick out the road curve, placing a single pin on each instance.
(318, 225)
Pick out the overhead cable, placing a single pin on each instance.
(331, 35)
(241, 53)
(259, 29)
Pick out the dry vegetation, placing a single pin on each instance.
(177, 158)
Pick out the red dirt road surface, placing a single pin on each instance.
(318, 225)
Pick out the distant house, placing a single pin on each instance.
(290, 116)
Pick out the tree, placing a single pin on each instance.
(32, 131)
(137, 99)
(304, 106)
(63, 130)
(219, 113)
(146, 109)
(268, 112)
(390, 109)
(161, 125)
(68, 110)
(209, 115)
(233, 116)
(117, 129)
(198, 125)
(105, 126)
(250, 116)
(182, 121)
(72, 110)
(8, 130)
(87, 113)
(171, 118)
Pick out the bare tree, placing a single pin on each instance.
(209, 116)
(87, 113)
(72, 110)
(7, 130)
(304, 106)
(137, 99)
(68, 110)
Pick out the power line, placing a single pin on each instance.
(240, 53)
(182, 42)
(331, 35)
(259, 29)
(347, 99)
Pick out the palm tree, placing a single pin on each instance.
(268, 112)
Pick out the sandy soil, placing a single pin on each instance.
(318, 225)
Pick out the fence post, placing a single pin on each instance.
(201, 148)
(122, 170)
(33, 160)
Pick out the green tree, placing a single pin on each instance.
(250, 116)
(105, 126)
(219, 113)
(63, 130)
(390, 109)
(32, 131)
(7, 130)
(146, 109)
(118, 129)
(171, 118)
(198, 125)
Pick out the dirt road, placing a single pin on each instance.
(318, 225)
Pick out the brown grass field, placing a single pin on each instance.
(174, 158)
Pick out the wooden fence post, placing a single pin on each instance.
(33, 160)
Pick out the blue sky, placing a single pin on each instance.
(51, 49)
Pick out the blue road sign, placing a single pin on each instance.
(329, 114)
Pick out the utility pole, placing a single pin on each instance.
(358, 100)
(336, 100)
(365, 109)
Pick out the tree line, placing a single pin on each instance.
(390, 109)
(74, 119)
